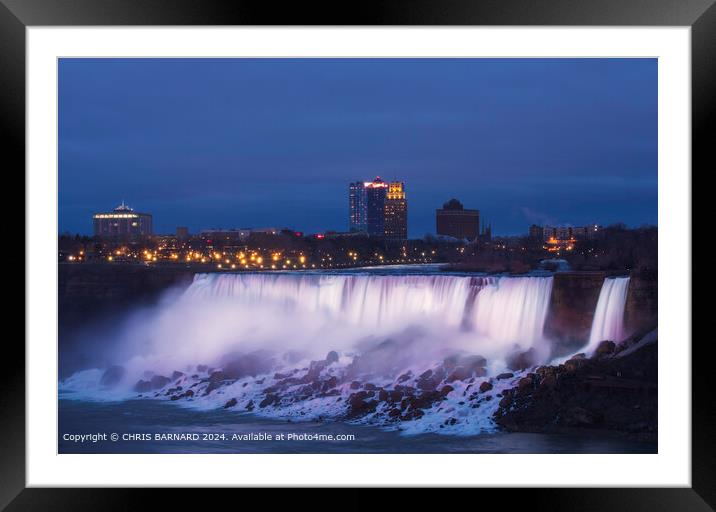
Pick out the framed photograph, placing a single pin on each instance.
(413, 246)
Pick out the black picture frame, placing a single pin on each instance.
(17, 15)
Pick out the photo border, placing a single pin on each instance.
(700, 15)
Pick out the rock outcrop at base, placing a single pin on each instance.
(616, 390)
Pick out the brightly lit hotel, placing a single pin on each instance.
(122, 222)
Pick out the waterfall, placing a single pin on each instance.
(275, 330)
(608, 323)
(504, 309)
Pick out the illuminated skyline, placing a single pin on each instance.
(273, 142)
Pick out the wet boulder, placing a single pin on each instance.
(522, 360)
(270, 399)
(485, 386)
(143, 386)
(458, 373)
(358, 406)
(332, 357)
(506, 375)
(575, 363)
(446, 390)
(230, 403)
(159, 381)
(218, 376)
(605, 348)
(580, 417)
(405, 376)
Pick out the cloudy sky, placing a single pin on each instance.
(274, 142)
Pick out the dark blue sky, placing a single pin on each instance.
(274, 142)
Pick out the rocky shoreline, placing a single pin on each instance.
(615, 390)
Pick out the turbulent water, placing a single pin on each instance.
(608, 323)
(416, 352)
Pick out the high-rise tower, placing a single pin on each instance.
(357, 207)
(395, 212)
(375, 192)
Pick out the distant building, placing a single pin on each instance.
(376, 192)
(455, 221)
(536, 232)
(234, 235)
(357, 207)
(224, 236)
(182, 233)
(395, 212)
(557, 238)
(122, 223)
(378, 208)
(570, 232)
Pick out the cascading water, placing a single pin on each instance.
(248, 336)
(503, 309)
(608, 323)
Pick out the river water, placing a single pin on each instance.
(157, 417)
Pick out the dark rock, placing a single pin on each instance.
(605, 348)
(459, 373)
(177, 374)
(485, 387)
(405, 376)
(506, 401)
(425, 400)
(608, 393)
(425, 375)
(217, 376)
(370, 386)
(332, 357)
(269, 400)
(575, 363)
(314, 371)
(230, 403)
(330, 383)
(188, 393)
(201, 368)
(580, 417)
(250, 405)
(428, 384)
(357, 406)
(395, 396)
(143, 386)
(211, 387)
(355, 385)
(159, 381)
(447, 389)
(548, 381)
(413, 414)
(526, 381)
(505, 375)
(112, 376)
(522, 360)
